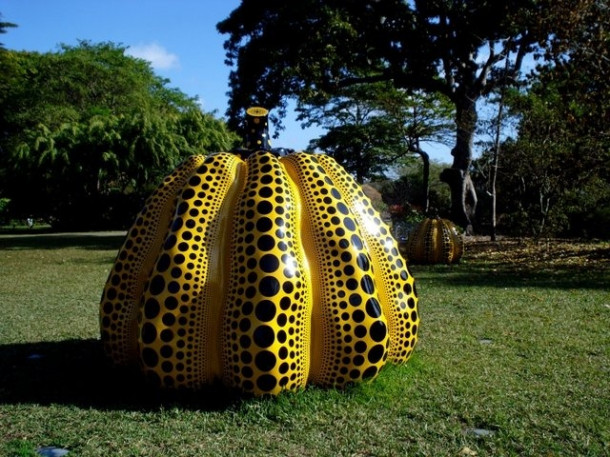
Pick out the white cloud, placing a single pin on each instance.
(159, 57)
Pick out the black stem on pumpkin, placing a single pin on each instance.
(257, 123)
(257, 132)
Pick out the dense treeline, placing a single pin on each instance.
(554, 173)
(86, 131)
(551, 176)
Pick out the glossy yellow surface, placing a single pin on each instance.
(266, 273)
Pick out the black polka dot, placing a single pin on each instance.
(195, 181)
(285, 303)
(171, 303)
(346, 257)
(251, 276)
(373, 308)
(358, 316)
(151, 308)
(349, 224)
(265, 192)
(357, 242)
(363, 262)
(288, 287)
(282, 319)
(264, 224)
(173, 287)
(244, 325)
(250, 292)
(266, 383)
(265, 311)
(170, 242)
(247, 308)
(378, 331)
(376, 353)
(360, 331)
(360, 347)
(264, 336)
(269, 263)
(245, 341)
(111, 294)
(265, 360)
(369, 373)
(246, 357)
(367, 284)
(149, 333)
(269, 286)
(177, 225)
(266, 243)
(351, 284)
(264, 207)
(355, 299)
(168, 319)
(157, 284)
(163, 263)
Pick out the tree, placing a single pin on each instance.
(556, 174)
(374, 128)
(3, 27)
(88, 129)
(313, 48)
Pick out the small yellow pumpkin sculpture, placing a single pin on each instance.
(433, 241)
(264, 272)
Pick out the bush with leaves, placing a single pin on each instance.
(88, 130)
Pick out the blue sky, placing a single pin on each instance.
(178, 37)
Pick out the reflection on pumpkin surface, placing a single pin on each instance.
(265, 272)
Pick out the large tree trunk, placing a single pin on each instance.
(463, 194)
(426, 181)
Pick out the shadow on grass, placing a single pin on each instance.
(478, 274)
(76, 372)
(93, 241)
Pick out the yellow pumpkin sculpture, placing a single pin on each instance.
(264, 272)
(434, 240)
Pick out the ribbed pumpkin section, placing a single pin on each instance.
(266, 273)
(434, 240)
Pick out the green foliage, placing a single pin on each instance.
(373, 128)
(311, 50)
(88, 131)
(3, 27)
(408, 192)
(555, 178)
(20, 448)
(4, 215)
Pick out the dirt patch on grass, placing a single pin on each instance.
(547, 252)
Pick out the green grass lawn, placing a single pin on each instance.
(513, 359)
